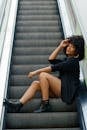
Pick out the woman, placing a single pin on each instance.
(65, 86)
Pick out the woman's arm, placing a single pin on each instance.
(46, 69)
(55, 53)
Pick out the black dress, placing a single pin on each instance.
(69, 75)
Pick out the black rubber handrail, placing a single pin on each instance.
(81, 102)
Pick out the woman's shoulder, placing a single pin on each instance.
(55, 61)
(73, 61)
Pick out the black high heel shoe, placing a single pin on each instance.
(13, 106)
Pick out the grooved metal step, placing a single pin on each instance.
(24, 69)
(35, 7)
(38, 23)
(37, 2)
(34, 50)
(21, 80)
(41, 120)
(38, 35)
(39, 12)
(32, 59)
(38, 29)
(49, 129)
(37, 42)
(56, 105)
(37, 17)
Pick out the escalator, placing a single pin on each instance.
(38, 31)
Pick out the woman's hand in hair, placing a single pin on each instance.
(55, 53)
(64, 43)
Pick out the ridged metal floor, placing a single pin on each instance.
(38, 30)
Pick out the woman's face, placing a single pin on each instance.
(71, 50)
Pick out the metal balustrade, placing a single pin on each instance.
(4, 14)
(8, 26)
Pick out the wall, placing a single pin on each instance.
(80, 11)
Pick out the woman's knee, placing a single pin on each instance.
(35, 83)
(42, 75)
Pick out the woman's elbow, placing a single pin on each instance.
(50, 58)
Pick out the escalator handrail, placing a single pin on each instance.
(81, 102)
(67, 29)
(2, 10)
(4, 15)
(6, 57)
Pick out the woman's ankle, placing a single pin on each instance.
(21, 101)
(45, 102)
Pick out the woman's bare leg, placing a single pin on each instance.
(49, 83)
(31, 91)
(15, 106)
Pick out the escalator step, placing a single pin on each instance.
(34, 50)
(37, 23)
(37, 29)
(39, 12)
(35, 7)
(38, 2)
(38, 17)
(21, 80)
(24, 69)
(49, 129)
(35, 0)
(42, 120)
(38, 35)
(56, 104)
(32, 59)
(39, 42)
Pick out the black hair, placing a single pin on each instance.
(78, 42)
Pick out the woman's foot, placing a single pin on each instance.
(44, 107)
(13, 106)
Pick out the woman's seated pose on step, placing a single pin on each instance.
(65, 86)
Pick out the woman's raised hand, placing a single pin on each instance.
(64, 43)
